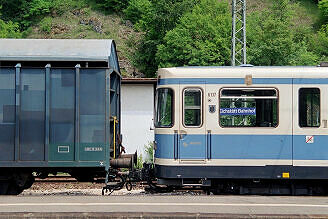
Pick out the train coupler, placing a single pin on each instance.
(110, 187)
(114, 181)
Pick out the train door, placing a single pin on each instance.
(192, 138)
(310, 125)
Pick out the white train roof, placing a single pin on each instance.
(241, 72)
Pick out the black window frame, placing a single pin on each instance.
(172, 108)
(299, 106)
(201, 107)
(259, 97)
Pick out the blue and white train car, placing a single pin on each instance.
(225, 127)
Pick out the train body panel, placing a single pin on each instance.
(59, 107)
(242, 122)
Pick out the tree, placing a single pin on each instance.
(111, 6)
(14, 10)
(32, 11)
(138, 10)
(272, 40)
(202, 37)
(321, 43)
(9, 30)
(162, 17)
(323, 6)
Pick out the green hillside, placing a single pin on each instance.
(163, 33)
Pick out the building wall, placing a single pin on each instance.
(137, 113)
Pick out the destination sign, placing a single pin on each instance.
(237, 111)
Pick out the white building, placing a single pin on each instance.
(137, 105)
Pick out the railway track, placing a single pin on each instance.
(140, 185)
(63, 179)
(56, 179)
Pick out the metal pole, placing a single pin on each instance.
(47, 111)
(244, 33)
(238, 39)
(77, 113)
(233, 38)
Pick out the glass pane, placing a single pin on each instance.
(192, 98)
(192, 107)
(62, 106)
(309, 107)
(7, 113)
(92, 105)
(32, 114)
(192, 117)
(250, 112)
(248, 92)
(164, 108)
(7, 96)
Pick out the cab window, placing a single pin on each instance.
(249, 107)
(164, 108)
(192, 107)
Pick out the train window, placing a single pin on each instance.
(192, 106)
(250, 107)
(309, 107)
(164, 108)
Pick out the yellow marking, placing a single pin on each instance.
(115, 122)
(285, 175)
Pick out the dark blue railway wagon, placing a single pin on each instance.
(59, 109)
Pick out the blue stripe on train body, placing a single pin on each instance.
(170, 81)
(284, 147)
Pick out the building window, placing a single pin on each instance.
(309, 107)
(249, 107)
(192, 107)
(164, 108)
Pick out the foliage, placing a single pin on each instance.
(9, 30)
(37, 8)
(11, 12)
(323, 6)
(32, 11)
(303, 56)
(177, 32)
(202, 37)
(59, 7)
(45, 25)
(321, 43)
(139, 162)
(138, 10)
(163, 17)
(149, 150)
(272, 39)
(111, 6)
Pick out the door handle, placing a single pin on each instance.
(182, 134)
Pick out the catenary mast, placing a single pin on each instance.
(238, 40)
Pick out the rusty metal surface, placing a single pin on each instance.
(139, 80)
